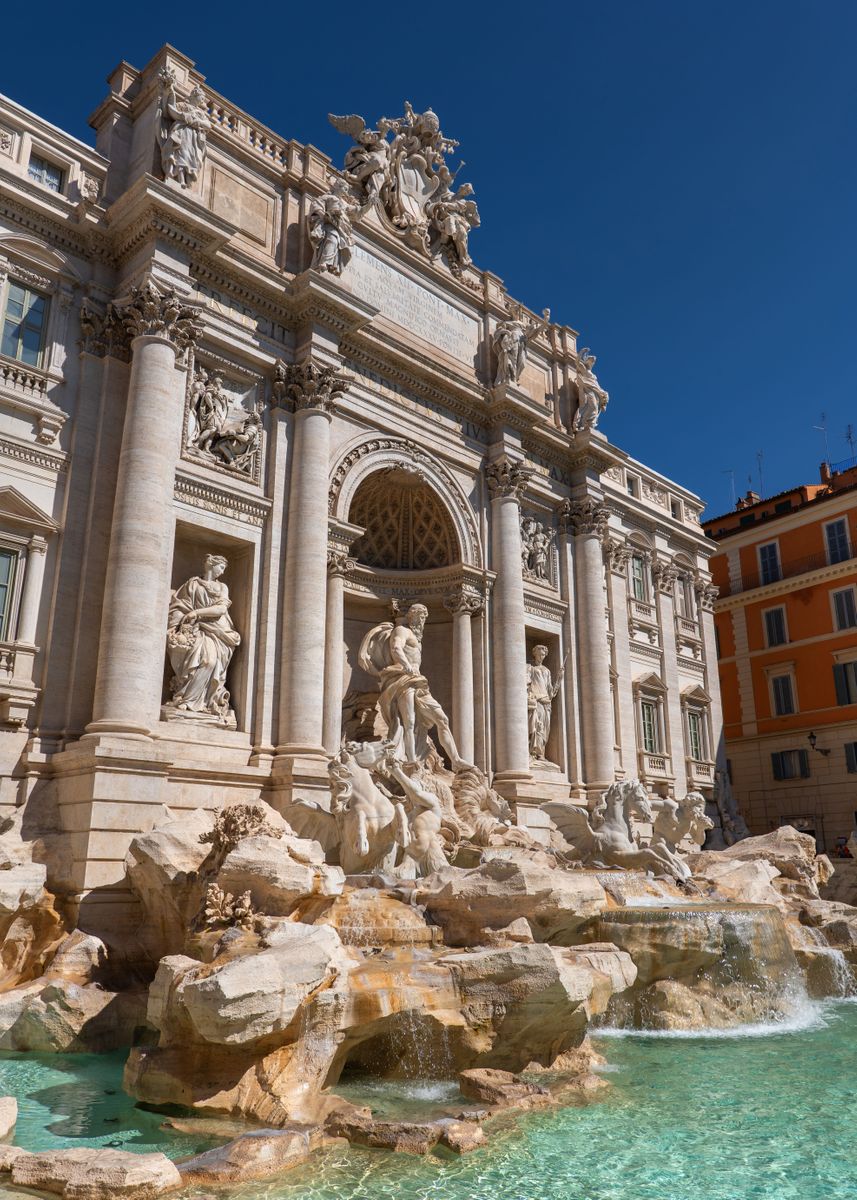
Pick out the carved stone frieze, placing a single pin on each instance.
(536, 550)
(310, 385)
(218, 500)
(506, 477)
(586, 517)
(219, 429)
(151, 311)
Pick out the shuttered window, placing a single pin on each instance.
(836, 534)
(790, 764)
(775, 626)
(851, 757)
(783, 694)
(845, 609)
(845, 680)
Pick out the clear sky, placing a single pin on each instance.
(675, 179)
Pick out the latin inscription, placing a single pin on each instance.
(414, 307)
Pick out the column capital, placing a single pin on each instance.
(706, 594)
(507, 477)
(664, 574)
(150, 311)
(618, 553)
(103, 334)
(37, 544)
(309, 385)
(464, 599)
(584, 518)
(339, 562)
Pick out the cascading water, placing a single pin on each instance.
(701, 965)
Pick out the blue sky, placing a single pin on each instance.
(676, 180)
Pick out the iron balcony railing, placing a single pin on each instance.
(787, 570)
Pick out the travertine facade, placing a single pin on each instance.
(247, 358)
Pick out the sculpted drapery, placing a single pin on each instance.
(201, 640)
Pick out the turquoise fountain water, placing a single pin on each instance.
(763, 1117)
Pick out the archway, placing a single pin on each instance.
(408, 528)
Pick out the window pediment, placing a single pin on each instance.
(17, 510)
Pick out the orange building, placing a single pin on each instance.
(786, 624)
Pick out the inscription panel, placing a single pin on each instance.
(414, 307)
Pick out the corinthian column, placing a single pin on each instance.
(338, 566)
(587, 520)
(506, 483)
(463, 603)
(313, 389)
(129, 679)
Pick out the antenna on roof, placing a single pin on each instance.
(759, 456)
(850, 438)
(822, 428)
(730, 471)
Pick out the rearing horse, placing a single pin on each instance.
(608, 841)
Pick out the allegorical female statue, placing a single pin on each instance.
(541, 691)
(201, 640)
(184, 126)
(329, 228)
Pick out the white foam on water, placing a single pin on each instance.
(810, 1015)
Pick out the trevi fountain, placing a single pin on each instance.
(366, 824)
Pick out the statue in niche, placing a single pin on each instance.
(218, 432)
(541, 692)
(511, 340)
(329, 228)
(201, 640)
(182, 131)
(393, 653)
(535, 549)
(591, 397)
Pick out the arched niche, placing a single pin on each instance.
(409, 469)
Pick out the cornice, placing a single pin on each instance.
(794, 583)
(48, 460)
(238, 506)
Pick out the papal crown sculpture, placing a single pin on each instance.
(402, 167)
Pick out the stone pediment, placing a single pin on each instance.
(17, 510)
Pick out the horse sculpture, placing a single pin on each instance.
(366, 826)
(609, 840)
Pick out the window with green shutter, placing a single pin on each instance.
(8, 568)
(24, 325)
(845, 681)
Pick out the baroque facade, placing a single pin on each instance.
(253, 407)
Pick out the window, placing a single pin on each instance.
(783, 695)
(632, 484)
(675, 509)
(695, 736)
(44, 172)
(769, 563)
(790, 764)
(717, 649)
(775, 626)
(638, 577)
(844, 608)
(24, 324)
(8, 570)
(845, 681)
(650, 726)
(836, 533)
(851, 757)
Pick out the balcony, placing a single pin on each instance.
(17, 691)
(699, 772)
(788, 570)
(654, 766)
(687, 628)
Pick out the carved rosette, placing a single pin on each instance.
(152, 312)
(584, 518)
(464, 599)
(310, 386)
(618, 554)
(507, 478)
(706, 594)
(664, 575)
(339, 562)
